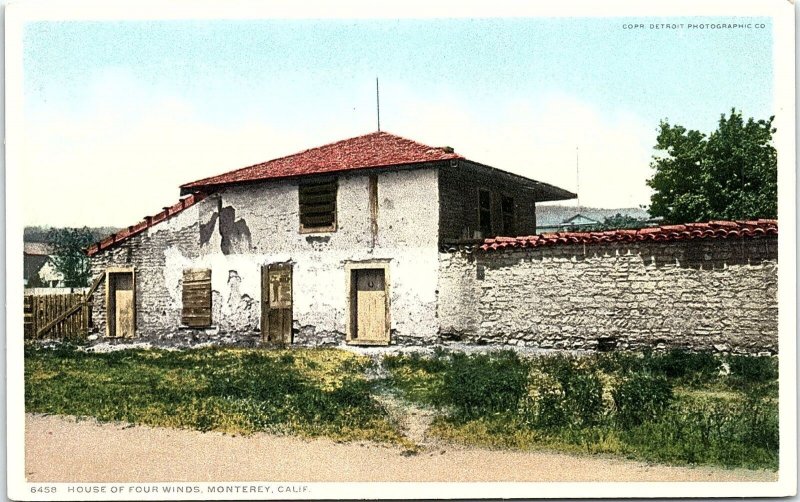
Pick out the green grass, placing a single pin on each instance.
(304, 392)
(418, 378)
(675, 407)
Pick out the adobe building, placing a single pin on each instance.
(334, 244)
(380, 240)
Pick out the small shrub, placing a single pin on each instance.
(568, 394)
(584, 393)
(760, 423)
(483, 385)
(711, 431)
(748, 371)
(620, 362)
(640, 398)
(676, 364)
(549, 411)
(692, 367)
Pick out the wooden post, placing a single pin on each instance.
(373, 208)
(84, 318)
(28, 318)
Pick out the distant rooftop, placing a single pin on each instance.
(38, 248)
(552, 216)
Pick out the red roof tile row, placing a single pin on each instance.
(686, 231)
(149, 221)
(378, 149)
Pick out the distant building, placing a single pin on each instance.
(578, 221)
(38, 268)
(564, 218)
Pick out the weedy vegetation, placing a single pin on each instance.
(676, 407)
(305, 392)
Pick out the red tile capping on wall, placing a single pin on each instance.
(686, 231)
(149, 221)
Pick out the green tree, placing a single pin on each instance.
(620, 220)
(732, 174)
(69, 257)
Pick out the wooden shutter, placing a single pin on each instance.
(318, 206)
(196, 298)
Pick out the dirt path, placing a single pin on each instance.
(412, 421)
(63, 449)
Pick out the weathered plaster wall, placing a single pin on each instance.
(712, 294)
(459, 202)
(459, 297)
(240, 229)
(406, 235)
(158, 256)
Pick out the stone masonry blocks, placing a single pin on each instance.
(700, 295)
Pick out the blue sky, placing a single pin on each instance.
(153, 104)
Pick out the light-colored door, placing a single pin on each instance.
(371, 306)
(123, 305)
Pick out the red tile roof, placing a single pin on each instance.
(378, 149)
(149, 221)
(687, 231)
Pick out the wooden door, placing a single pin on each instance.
(276, 303)
(370, 297)
(124, 309)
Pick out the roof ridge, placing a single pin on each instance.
(166, 213)
(283, 157)
(313, 149)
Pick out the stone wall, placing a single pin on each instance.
(158, 256)
(710, 294)
(458, 195)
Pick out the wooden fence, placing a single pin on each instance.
(42, 310)
(54, 291)
(58, 316)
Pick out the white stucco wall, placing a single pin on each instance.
(264, 228)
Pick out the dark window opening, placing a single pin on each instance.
(318, 206)
(485, 213)
(507, 209)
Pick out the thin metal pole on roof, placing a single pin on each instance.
(378, 99)
(577, 179)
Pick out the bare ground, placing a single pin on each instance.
(62, 449)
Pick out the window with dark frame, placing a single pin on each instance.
(507, 209)
(318, 206)
(485, 212)
(196, 298)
